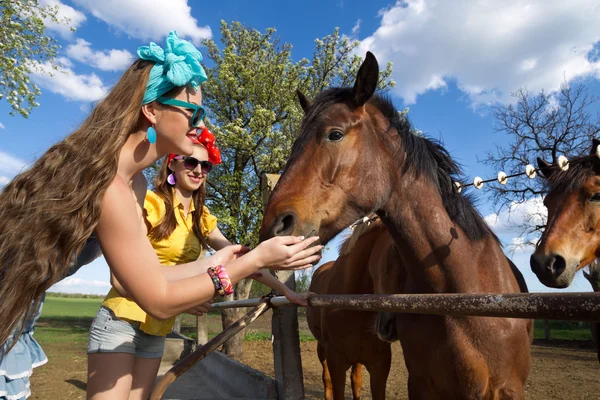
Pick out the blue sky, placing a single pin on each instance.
(452, 60)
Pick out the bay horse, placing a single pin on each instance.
(570, 240)
(354, 155)
(347, 338)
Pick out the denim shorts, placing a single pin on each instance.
(109, 334)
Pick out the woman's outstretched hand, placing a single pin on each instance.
(227, 254)
(288, 252)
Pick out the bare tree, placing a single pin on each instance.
(546, 125)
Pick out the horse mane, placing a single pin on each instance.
(351, 239)
(573, 178)
(424, 156)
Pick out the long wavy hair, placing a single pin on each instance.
(166, 192)
(49, 211)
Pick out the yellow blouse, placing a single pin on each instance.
(181, 247)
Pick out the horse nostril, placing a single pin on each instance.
(534, 263)
(559, 265)
(284, 225)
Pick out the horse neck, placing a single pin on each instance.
(437, 253)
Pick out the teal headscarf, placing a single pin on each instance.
(177, 65)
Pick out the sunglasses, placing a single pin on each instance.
(191, 163)
(198, 112)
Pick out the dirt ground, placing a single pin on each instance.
(561, 371)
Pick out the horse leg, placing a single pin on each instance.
(356, 380)
(337, 370)
(327, 388)
(379, 372)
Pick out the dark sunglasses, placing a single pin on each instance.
(191, 163)
(198, 112)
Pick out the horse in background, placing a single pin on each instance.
(570, 240)
(346, 338)
(356, 155)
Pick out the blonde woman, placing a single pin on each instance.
(91, 183)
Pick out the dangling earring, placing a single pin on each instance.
(171, 179)
(151, 135)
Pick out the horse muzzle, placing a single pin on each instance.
(553, 270)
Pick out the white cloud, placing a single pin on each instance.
(75, 18)
(76, 281)
(2, 126)
(532, 212)
(148, 19)
(488, 48)
(356, 28)
(67, 83)
(82, 286)
(111, 60)
(10, 165)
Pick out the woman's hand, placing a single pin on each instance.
(201, 309)
(297, 298)
(288, 252)
(227, 254)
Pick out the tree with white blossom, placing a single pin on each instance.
(24, 46)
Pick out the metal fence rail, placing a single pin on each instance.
(556, 306)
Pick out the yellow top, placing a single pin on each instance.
(181, 247)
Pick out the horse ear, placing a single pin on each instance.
(304, 101)
(595, 144)
(366, 80)
(545, 168)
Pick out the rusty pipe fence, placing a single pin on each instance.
(583, 306)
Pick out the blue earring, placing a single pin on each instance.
(151, 135)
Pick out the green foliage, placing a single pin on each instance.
(24, 46)
(251, 95)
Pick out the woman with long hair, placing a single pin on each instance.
(126, 344)
(92, 183)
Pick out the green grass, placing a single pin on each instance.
(563, 330)
(70, 308)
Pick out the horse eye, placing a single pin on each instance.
(335, 136)
(595, 198)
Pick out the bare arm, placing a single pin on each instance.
(134, 263)
(217, 240)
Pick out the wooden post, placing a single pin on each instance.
(177, 324)
(202, 329)
(284, 325)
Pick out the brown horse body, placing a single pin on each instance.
(356, 155)
(347, 338)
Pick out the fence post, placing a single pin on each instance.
(284, 325)
(177, 324)
(202, 329)
(547, 329)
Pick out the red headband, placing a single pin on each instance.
(206, 139)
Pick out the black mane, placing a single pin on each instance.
(425, 156)
(580, 169)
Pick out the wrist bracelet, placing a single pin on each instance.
(216, 281)
(221, 280)
(224, 278)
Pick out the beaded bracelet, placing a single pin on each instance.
(216, 281)
(223, 286)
